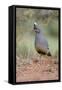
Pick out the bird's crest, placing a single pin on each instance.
(35, 23)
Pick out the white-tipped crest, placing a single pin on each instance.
(35, 23)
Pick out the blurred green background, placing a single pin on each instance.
(48, 20)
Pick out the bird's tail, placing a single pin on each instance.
(49, 54)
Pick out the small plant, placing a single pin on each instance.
(22, 50)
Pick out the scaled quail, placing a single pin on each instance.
(41, 43)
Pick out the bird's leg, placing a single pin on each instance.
(40, 59)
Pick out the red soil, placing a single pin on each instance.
(38, 70)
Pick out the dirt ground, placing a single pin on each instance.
(38, 70)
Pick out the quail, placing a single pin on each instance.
(41, 43)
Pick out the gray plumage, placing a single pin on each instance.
(41, 44)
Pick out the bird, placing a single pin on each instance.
(41, 43)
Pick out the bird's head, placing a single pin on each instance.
(36, 29)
